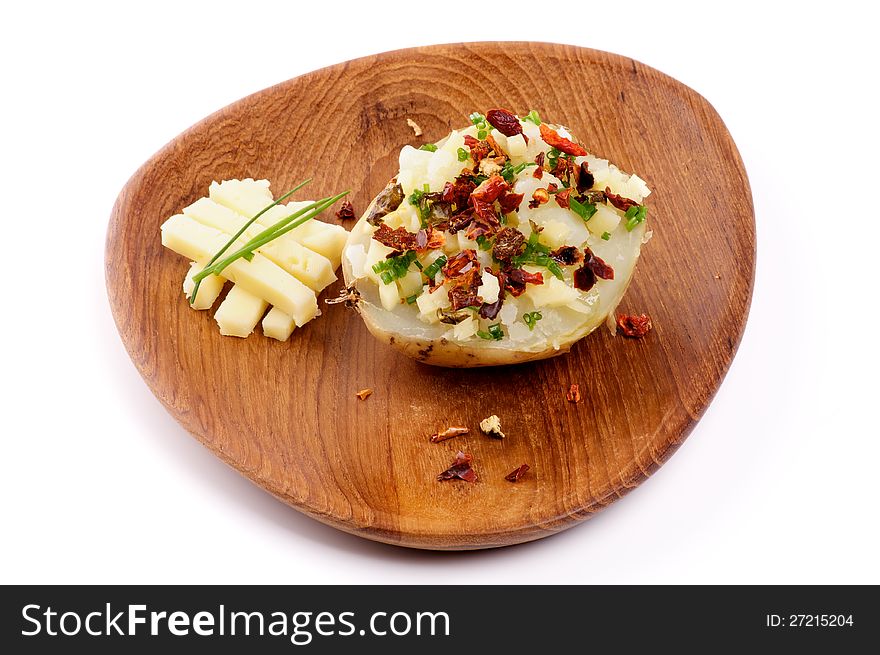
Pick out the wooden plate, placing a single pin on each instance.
(285, 414)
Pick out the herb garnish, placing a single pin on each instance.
(539, 254)
(463, 154)
(495, 333)
(606, 236)
(394, 268)
(483, 243)
(635, 215)
(531, 318)
(431, 271)
(430, 147)
(533, 117)
(216, 265)
(509, 171)
(585, 211)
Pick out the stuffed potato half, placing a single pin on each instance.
(506, 242)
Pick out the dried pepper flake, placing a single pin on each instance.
(517, 473)
(510, 202)
(386, 202)
(619, 201)
(574, 394)
(490, 190)
(563, 198)
(585, 179)
(461, 263)
(448, 433)
(515, 280)
(598, 265)
(509, 242)
(504, 121)
(479, 149)
(460, 469)
(346, 211)
(552, 138)
(399, 239)
(363, 394)
(539, 197)
(634, 327)
(539, 170)
(567, 255)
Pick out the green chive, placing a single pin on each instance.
(477, 118)
(430, 147)
(411, 299)
(606, 236)
(482, 134)
(431, 271)
(463, 154)
(386, 277)
(531, 318)
(244, 227)
(585, 211)
(533, 117)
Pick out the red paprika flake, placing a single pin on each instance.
(552, 138)
(539, 168)
(516, 279)
(448, 433)
(619, 201)
(504, 121)
(461, 263)
(479, 149)
(399, 239)
(460, 469)
(598, 265)
(510, 202)
(563, 198)
(634, 326)
(490, 189)
(574, 394)
(346, 211)
(517, 473)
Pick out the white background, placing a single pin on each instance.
(776, 484)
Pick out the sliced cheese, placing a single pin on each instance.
(260, 276)
(278, 325)
(209, 289)
(309, 267)
(239, 312)
(249, 197)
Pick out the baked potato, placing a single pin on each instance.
(503, 243)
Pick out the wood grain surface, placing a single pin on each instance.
(285, 414)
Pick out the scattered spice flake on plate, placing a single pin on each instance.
(574, 394)
(492, 427)
(415, 127)
(460, 469)
(346, 211)
(552, 138)
(448, 433)
(517, 473)
(363, 394)
(634, 326)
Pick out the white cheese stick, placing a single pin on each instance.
(249, 197)
(209, 289)
(278, 325)
(239, 312)
(260, 276)
(309, 267)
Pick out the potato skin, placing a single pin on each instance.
(441, 351)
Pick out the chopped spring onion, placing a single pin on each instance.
(477, 118)
(606, 236)
(482, 134)
(585, 211)
(483, 243)
(634, 216)
(431, 271)
(509, 171)
(411, 299)
(533, 117)
(430, 147)
(495, 333)
(463, 154)
(531, 318)
(394, 268)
